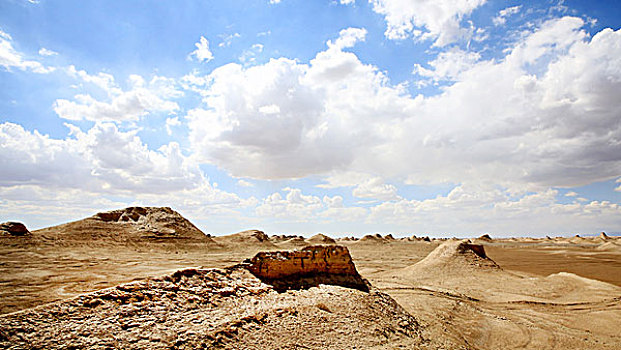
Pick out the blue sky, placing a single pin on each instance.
(348, 117)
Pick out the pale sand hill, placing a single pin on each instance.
(458, 286)
(252, 238)
(321, 239)
(292, 243)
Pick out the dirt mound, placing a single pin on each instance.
(13, 228)
(248, 237)
(311, 266)
(125, 225)
(486, 237)
(609, 246)
(372, 239)
(214, 308)
(321, 239)
(457, 255)
(295, 242)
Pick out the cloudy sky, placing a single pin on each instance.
(446, 117)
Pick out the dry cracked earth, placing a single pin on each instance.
(147, 278)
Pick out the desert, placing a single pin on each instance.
(147, 278)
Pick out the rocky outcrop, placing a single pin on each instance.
(200, 308)
(310, 266)
(126, 226)
(13, 228)
(158, 222)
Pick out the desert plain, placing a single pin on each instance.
(148, 278)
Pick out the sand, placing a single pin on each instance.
(557, 293)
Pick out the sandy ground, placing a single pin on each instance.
(546, 294)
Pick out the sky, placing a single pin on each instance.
(346, 117)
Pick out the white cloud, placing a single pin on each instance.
(170, 123)
(471, 210)
(46, 52)
(295, 205)
(344, 179)
(348, 38)
(320, 115)
(143, 98)
(78, 174)
(347, 2)
(571, 194)
(504, 13)
(250, 56)
(438, 20)
(544, 115)
(375, 188)
(275, 1)
(228, 39)
(244, 183)
(202, 53)
(11, 58)
(448, 64)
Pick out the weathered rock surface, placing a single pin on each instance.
(213, 309)
(13, 228)
(128, 225)
(310, 266)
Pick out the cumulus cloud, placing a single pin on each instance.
(469, 210)
(375, 188)
(287, 119)
(11, 58)
(439, 20)
(448, 64)
(202, 53)
(141, 99)
(47, 52)
(544, 115)
(348, 38)
(80, 173)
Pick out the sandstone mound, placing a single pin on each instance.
(248, 237)
(609, 246)
(486, 237)
(603, 236)
(295, 242)
(214, 309)
(456, 256)
(126, 225)
(321, 239)
(13, 228)
(371, 239)
(311, 266)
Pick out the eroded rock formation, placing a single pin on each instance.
(310, 266)
(13, 228)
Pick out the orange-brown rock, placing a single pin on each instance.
(312, 265)
(13, 228)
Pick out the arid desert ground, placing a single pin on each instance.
(148, 278)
